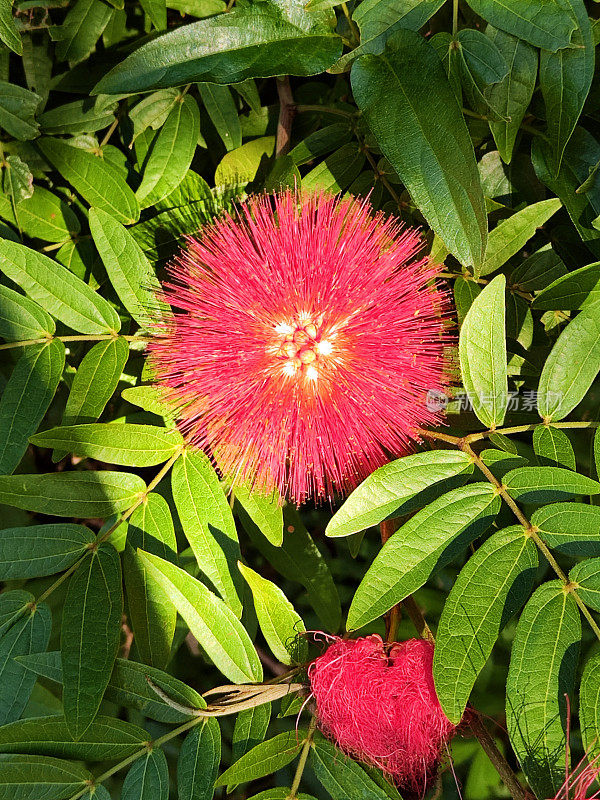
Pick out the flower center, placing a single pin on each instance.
(302, 348)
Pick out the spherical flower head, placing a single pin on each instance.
(378, 704)
(305, 336)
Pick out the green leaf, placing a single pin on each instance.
(581, 155)
(541, 674)
(151, 613)
(280, 624)
(17, 111)
(482, 351)
(129, 270)
(171, 153)
(428, 541)
(150, 398)
(546, 24)
(157, 11)
(106, 739)
(24, 777)
(38, 550)
(57, 290)
(388, 487)
(553, 447)
(80, 116)
(41, 216)
(403, 113)
(571, 367)
(586, 575)
(263, 40)
(152, 111)
(264, 759)
(95, 381)
(198, 763)
(480, 65)
(465, 292)
(28, 634)
(98, 182)
(299, 559)
(512, 234)
(578, 289)
(8, 30)
(90, 634)
(21, 318)
(240, 166)
(148, 778)
(265, 511)
(341, 777)
(128, 686)
(223, 114)
(337, 171)
(128, 444)
(17, 179)
(26, 398)
(589, 704)
(208, 523)
(565, 81)
(213, 623)
(572, 528)
(72, 494)
(81, 29)
(494, 584)
(320, 143)
(250, 729)
(378, 19)
(547, 484)
(538, 271)
(13, 604)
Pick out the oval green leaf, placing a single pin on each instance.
(427, 541)
(213, 623)
(106, 739)
(98, 182)
(22, 319)
(148, 778)
(482, 351)
(129, 270)
(386, 489)
(38, 550)
(25, 777)
(404, 112)
(26, 398)
(571, 367)
(90, 635)
(280, 624)
(264, 759)
(72, 494)
(129, 444)
(493, 585)
(547, 484)
(571, 528)
(541, 675)
(28, 634)
(208, 523)
(57, 290)
(198, 763)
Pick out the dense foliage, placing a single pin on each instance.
(134, 580)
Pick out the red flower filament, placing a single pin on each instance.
(379, 705)
(304, 340)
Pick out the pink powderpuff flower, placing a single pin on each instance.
(578, 783)
(304, 339)
(378, 703)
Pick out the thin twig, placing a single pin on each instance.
(302, 762)
(287, 112)
(392, 619)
